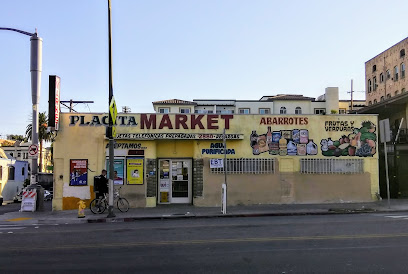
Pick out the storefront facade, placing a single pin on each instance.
(177, 158)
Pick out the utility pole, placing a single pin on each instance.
(112, 120)
(72, 102)
(36, 70)
(351, 92)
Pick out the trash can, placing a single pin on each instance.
(40, 196)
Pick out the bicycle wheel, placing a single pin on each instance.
(97, 206)
(123, 204)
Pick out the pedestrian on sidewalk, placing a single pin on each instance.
(101, 184)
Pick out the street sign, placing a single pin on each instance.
(113, 110)
(33, 151)
(385, 134)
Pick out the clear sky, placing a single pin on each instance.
(183, 49)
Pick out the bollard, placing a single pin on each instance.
(81, 209)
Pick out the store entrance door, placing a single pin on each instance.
(175, 181)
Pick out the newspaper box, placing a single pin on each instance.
(28, 202)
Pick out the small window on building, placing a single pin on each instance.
(382, 98)
(374, 68)
(164, 110)
(375, 101)
(370, 103)
(298, 110)
(264, 111)
(11, 154)
(388, 95)
(374, 83)
(395, 73)
(22, 171)
(19, 154)
(342, 111)
(402, 53)
(381, 77)
(184, 110)
(282, 110)
(402, 70)
(244, 111)
(396, 92)
(11, 174)
(370, 87)
(319, 111)
(388, 74)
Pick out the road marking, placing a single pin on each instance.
(18, 219)
(397, 216)
(210, 241)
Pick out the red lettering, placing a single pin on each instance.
(290, 121)
(227, 120)
(165, 122)
(296, 120)
(285, 120)
(150, 122)
(280, 121)
(306, 120)
(263, 122)
(269, 120)
(196, 121)
(211, 122)
(181, 120)
(274, 121)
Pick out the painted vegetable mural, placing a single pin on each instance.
(361, 142)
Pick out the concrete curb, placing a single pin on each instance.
(238, 215)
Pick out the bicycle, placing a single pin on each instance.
(99, 204)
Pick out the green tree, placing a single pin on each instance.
(43, 134)
(17, 137)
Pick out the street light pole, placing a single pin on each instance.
(111, 122)
(35, 69)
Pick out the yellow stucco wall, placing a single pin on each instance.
(87, 140)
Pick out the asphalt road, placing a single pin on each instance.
(362, 243)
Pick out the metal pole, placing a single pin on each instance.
(111, 141)
(351, 92)
(36, 69)
(224, 186)
(386, 174)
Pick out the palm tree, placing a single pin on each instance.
(43, 135)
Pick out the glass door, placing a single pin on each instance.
(175, 181)
(181, 181)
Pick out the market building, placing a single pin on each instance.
(176, 158)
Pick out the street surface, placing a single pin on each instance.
(354, 243)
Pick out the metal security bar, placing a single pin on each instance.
(247, 165)
(331, 166)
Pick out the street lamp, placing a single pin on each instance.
(35, 69)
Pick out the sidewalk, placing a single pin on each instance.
(188, 211)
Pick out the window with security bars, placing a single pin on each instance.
(247, 165)
(331, 166)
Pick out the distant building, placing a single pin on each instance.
(276, 104)
(385, 74)
(12, 175)
(19, 151)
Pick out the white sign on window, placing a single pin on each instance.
(216, 163)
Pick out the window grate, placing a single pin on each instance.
(331, 166)
(247, 165)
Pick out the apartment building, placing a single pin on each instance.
(385, 74)
(274, 104)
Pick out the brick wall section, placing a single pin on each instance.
(198, 165)
(152, 179)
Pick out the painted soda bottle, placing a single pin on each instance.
(254, 138)
(269, 136)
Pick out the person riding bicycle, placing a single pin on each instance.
(101, 184)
